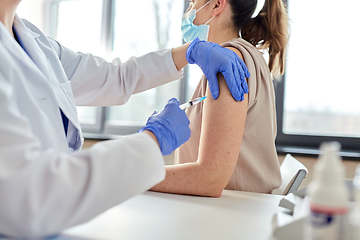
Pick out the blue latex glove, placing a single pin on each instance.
(212, 58)
(170, 126)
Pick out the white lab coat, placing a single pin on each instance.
(46, 183)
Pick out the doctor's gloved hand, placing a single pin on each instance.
(212, 58)
(170, 126)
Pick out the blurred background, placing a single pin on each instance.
(317, 98)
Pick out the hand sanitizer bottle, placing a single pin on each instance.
(328, 197)
(356, 184)
(355, 213)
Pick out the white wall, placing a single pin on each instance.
(32, 10)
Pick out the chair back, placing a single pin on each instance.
(293, 173)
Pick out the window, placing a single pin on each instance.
(150, 25)
(107, 28)
(32, 11)
(317, 99)
(79, 30)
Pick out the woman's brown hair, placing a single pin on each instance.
(268, 30)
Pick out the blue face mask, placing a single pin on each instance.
(191, 31)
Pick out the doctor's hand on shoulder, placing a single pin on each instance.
(170, 127)
(214, 59)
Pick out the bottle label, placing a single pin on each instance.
(326, 225)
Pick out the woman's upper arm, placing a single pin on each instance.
(222, 130)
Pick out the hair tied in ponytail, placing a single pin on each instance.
(260, 4)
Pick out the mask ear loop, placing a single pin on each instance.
(204, 5)
(202, 8)
(209, 20)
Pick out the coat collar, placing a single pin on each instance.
(33, 34)
(9, 42)
(20, 26)
(27, 39)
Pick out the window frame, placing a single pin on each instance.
(101, 129)
(50, 29)
(109, 129)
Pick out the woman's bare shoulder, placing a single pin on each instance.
(237, 51)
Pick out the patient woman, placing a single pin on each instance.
(232, 144)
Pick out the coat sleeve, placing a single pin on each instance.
(44, 192)
(97, 82)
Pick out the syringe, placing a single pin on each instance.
(191, 103)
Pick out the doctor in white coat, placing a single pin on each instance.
(47, 183)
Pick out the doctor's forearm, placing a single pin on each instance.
(178, 55)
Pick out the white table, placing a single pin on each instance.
(152, 215)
